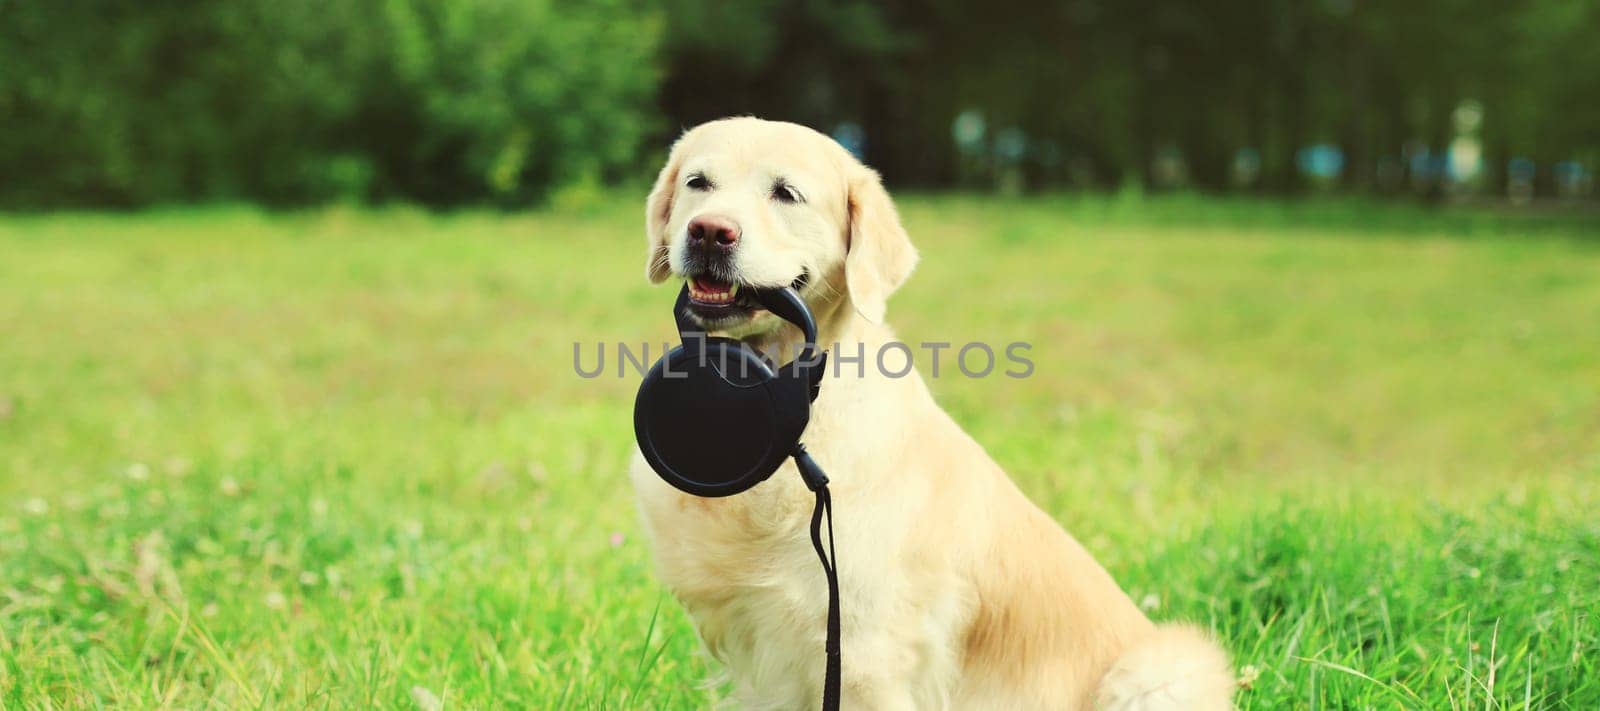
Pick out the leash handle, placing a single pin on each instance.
(817, 481)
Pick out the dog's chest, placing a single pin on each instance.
(745, 570)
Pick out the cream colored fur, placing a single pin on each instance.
(957, 592)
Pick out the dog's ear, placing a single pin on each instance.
(879, 256)
(657, 210)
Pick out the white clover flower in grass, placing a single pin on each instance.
(425, 700)
(138, 471)
(275, 600)
(1150, 602)
(36, 506)
(1248, 675)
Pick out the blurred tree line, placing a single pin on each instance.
(128, 102)
(1101, 91)
(123, 102)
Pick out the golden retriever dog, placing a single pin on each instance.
(957, 592)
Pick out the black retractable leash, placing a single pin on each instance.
(762, 409)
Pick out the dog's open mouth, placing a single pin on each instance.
(706, 291)
(718, 299)
(724, 302)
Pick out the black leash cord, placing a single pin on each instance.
(818, 482)
(830, 682)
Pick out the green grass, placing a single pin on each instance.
(340, 458)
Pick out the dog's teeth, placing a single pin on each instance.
(707, 296)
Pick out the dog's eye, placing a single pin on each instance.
(784, 192)
(698, 182)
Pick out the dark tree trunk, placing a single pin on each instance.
(1355, 132)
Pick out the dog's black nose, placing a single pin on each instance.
(713, 234)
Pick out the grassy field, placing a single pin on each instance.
(340, 458)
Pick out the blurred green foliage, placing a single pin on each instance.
(125, 103)
(112, 102)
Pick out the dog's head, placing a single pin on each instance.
(747, 203)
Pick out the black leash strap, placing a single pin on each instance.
(818, 482)
(830, 682)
